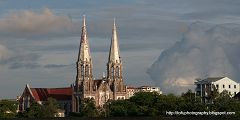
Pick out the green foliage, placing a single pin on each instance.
(8, 109)
(122, 108)
(144, 98)
(223, 102)
(47, 110)
(50, 107)
(89, 108)
(141, 104)
(153, 104)
(34, 111)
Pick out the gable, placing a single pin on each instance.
(104, 86)
(226, 80)
(27, 92)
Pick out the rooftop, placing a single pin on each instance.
(211, 79)
(41, 94)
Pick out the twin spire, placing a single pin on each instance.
(84, 50)
(114, 47)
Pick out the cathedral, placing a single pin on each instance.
(100, 90)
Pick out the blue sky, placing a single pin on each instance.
(39, 39)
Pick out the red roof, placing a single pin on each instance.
(41, 94)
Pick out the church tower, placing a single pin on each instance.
(83, 83)
(114, 65)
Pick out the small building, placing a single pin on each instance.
(204, 87)
(150, 89)
(132, 90)
(40, 96)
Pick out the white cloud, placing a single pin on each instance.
(28, 23)
(204, 51)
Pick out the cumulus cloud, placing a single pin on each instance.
(34, 24)
(204, 51)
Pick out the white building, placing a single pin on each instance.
(132, 90)
(205, 87)
(150, 89)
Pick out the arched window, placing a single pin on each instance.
(86, 86)
(77, 104)
(87, 70)
(82, 70)
(112, 72)
(117, 72)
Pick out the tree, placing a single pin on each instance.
(223, 102)
(50, 107)
(34, 111)
(119, 108)
(8, 108)
(144, 98)
(146, 103)
(213, 95)
(167, 103)
(189, 102)
(89, 108)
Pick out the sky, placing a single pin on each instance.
(39, 41)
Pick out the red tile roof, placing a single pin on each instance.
(41, 94)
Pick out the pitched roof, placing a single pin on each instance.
(212, 79)
(41, 94)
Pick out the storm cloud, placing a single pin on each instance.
(204, 51)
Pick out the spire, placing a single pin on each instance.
(114, 48)
(84, 50)
(84, 62)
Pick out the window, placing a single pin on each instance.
(235, 93)
(198, 93)
(82, 70)
(223, 86)
(117, 72)
(86, 70)
(198, 86)
(112, 70)
(229, 86)
(217, 86)
(235, 86)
